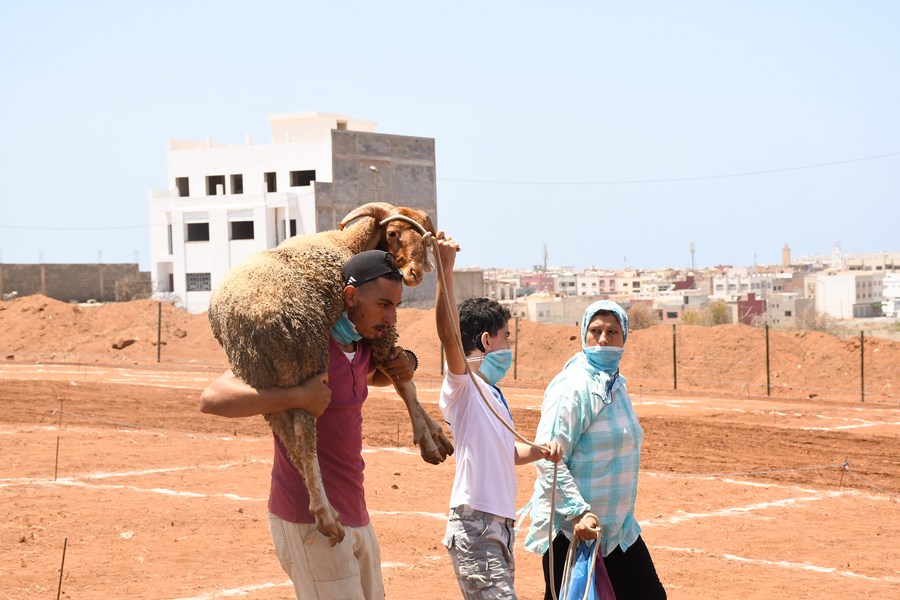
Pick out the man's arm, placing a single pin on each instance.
(228, 396)
(445, 314)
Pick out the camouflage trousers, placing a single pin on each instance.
(481, 549)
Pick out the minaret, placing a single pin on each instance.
(786, 256)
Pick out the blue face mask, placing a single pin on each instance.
(604, 358)
(344, 331)
(494, 365)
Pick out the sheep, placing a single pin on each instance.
(273, 314)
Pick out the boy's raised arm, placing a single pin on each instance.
(446, 317)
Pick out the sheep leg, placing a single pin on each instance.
(305, 457)
(427, 434)
(297, 429)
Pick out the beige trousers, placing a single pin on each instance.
(350, 570)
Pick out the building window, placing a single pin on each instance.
(271, 185)
(197, 232)
(302, 178)
(342, 125)
(184, 187)
(237, 184)
(787, 313)
(671, 315)
(242, 230)
(212, 185)
(169, 235)
(293, 228)
(198, 282)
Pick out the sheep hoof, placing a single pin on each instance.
(330, 528)
(434, 448)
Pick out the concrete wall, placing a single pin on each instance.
(79, 282)
(405, 176)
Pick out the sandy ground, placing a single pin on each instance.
(106, 455)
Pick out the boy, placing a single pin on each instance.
(480, 534)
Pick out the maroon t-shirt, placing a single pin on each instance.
(339, 445)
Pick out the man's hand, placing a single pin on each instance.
(313, 395)
(400, 367)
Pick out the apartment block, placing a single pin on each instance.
(225, 202)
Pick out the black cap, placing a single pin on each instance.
(369, 265)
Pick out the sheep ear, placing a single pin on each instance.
(379, 210)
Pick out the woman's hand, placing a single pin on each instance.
(587, 527)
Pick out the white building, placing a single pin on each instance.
(737, 283)
(850, 295)
(891, 291)
(225, 202)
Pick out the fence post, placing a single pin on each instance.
(768, 372)
(674, 360)
(862, 367)
(158, 330)
(516, 353)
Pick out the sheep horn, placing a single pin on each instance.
(378, 210)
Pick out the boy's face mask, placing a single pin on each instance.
(495, 364)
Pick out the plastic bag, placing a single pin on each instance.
(585, 576)
(580, 574)
(602, 584)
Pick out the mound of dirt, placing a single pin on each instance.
(730, 358)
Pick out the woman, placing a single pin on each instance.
(587, 410)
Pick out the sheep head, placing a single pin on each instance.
(395, 234)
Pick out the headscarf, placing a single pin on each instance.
(596, 307)
(601, 383)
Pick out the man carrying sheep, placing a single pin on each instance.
(352, 568)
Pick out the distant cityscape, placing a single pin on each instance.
(224, 202)
(841, 286)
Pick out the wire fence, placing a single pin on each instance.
(750, 362)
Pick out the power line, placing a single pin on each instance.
(678, 179)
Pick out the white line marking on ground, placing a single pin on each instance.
(782, 563)
(682, 516)
(412, 513)
(242, 591)
(857, 426)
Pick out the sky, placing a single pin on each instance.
(612, 133)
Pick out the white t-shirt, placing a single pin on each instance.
(485, 450)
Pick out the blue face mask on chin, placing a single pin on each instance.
(495, 364)
(344, 331)
(604, 358)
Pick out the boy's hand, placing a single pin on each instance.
(447, 248)
(552, 451)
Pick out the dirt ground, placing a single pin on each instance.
(108, 464)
